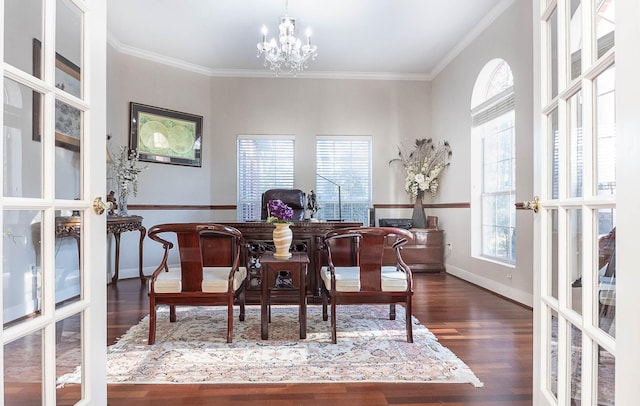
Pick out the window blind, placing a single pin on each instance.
(345, 161)
(264, 162)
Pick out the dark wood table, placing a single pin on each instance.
(283, 277)
(71, 226)
(307, 237)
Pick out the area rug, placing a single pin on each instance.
(370, 348)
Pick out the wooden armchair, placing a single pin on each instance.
(208, 273)
(362, 279)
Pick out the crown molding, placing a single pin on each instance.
(473, 34)
(262, 73)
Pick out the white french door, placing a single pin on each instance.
(53, 166)
(586, 133)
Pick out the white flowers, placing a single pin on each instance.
(423, 165)
(126, 169)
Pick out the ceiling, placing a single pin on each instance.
(404, 39)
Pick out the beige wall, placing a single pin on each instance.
(389, 111)
(509, 38)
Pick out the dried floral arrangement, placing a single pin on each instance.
(423, 163)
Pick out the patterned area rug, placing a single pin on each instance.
(371, 348)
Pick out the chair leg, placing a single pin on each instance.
(241, 299)
(409, 323)
(230, 318)
(152, 321)
(392, 311)
(172, 313)
(334, 336)
(325, 302)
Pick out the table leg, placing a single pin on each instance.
(116, 236)
(143, 233)
(264, 318)
(303, 301)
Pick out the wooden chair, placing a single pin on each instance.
(363, 279)
(208, 273)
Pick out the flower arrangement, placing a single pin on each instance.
(423, 164)
(126, 169)
(279, 212)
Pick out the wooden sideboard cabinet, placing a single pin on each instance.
(424, 254)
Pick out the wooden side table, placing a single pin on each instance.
(283, 277)
(71, 226)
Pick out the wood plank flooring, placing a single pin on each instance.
(490, 334)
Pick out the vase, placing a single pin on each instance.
(418, 219)
(123, 196)
(282, 237)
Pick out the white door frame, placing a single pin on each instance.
(625, 346)
(92, 303)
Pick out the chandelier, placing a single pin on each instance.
(287, 55)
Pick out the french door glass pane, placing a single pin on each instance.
(67, 260)
(22, 23)
(605, 128)
(552, 354)
(23, 368)
(22, 157)
(553, 155)
(606, 376)
(605, 24)
(575, 377)
(552, 58)
(69, 47)
(605, 274)
(22, 287)
(575, 39)
(574, 259)
(576, 146)
(553, 251)
(68, 140)
(69, 356)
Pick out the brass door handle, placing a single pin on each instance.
(99, 206)
(529, 205)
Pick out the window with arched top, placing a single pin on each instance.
(493, 164)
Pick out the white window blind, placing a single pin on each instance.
(264, 162)
(343, 161)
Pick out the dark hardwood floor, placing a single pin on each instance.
(490, 334)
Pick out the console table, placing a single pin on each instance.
(71, 226)
(307, 237)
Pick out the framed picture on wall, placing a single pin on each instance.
(165, 136)
(68, 126)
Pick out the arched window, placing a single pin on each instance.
(493, 164)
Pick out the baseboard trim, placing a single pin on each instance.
(515, 295)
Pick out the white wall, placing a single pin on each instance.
(509, 38)
(389, 111)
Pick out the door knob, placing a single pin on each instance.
(99, 206)
(529, 205)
